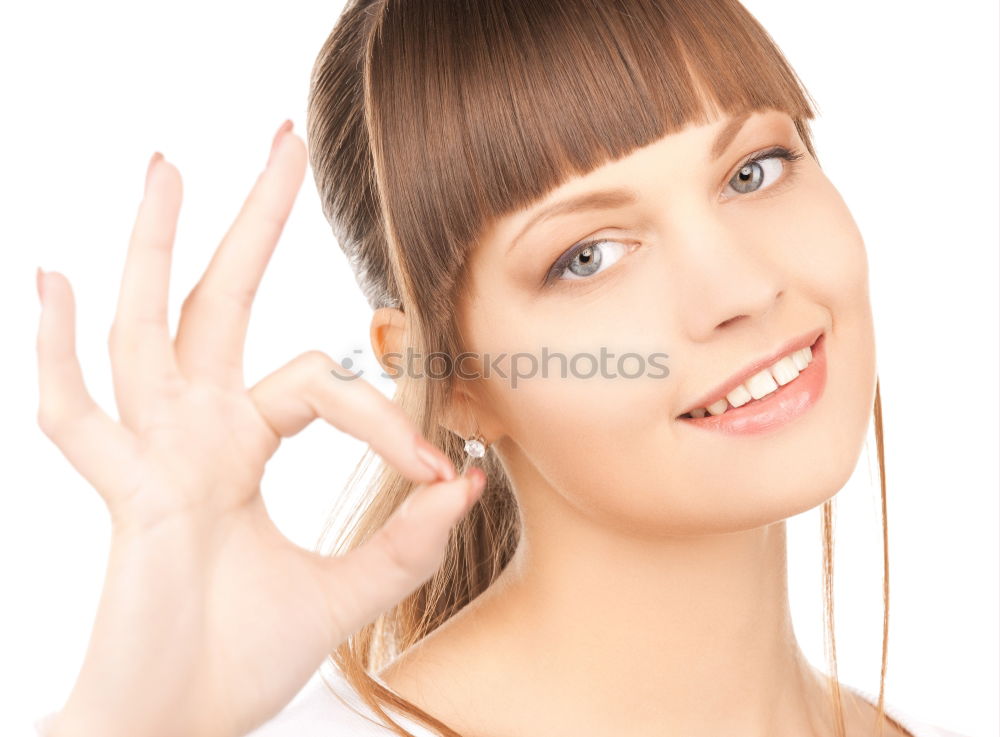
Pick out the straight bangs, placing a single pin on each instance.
(476, 109)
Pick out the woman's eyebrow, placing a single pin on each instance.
(601, 199)
(607, 199)
(727, 134)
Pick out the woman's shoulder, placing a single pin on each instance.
(916, 727)
(328, 706)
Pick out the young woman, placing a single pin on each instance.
(611, 220)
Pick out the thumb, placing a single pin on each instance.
(400, 556)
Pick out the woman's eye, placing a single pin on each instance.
(756, 175)
(586, 259)
(763, 170)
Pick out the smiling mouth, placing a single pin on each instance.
(761, 385)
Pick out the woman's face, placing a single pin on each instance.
(716, 269)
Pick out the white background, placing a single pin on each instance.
(908, 132)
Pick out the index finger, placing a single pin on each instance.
(303, 390)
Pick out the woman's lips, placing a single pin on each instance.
(777, 408)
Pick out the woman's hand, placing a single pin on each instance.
(210, 620)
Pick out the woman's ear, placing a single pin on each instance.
(468, 415)
(465, 413)
(459, 417)
(387, 333)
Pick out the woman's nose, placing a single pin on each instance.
(727, 277)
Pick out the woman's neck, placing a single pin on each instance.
(589, 631)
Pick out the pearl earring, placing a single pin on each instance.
(476, 446)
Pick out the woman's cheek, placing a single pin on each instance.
(828, 256)
(586, 436)
(833, 270)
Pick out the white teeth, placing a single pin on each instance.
(802, 357)
(784, 370)
(739, 396)
(717, 408)
(760, 384)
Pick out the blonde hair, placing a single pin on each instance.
(429, 119)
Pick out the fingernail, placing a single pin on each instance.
(285, 127)
(434, 459)
(39, 277)
(149, 169)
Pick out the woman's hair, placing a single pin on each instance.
(428, 120)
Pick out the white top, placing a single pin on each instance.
(317, 712)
